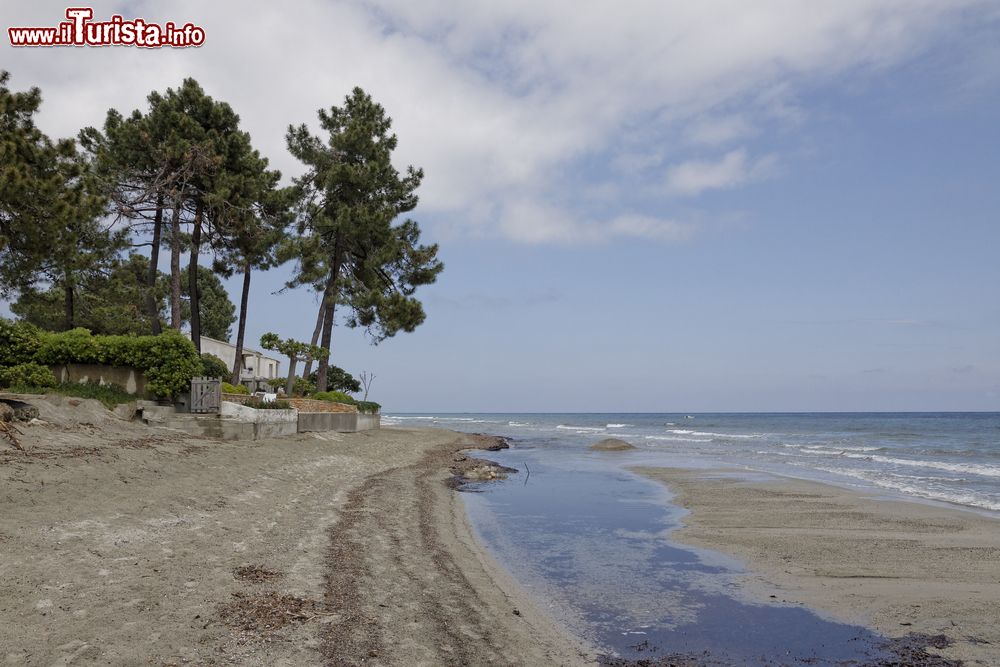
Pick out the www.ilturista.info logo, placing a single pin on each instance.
(79, 30)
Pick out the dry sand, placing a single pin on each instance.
(898, 567)
(128, 545)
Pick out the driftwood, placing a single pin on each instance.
(8, 431)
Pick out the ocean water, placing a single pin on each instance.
(592, 540)
(947, 457)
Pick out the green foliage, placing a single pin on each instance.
(304, 386)
(341, 397)
(338, 379)
(27, 374)
(334, 397)
(76, 346)
(108, 302)
(217, 312)
(168, 361)
(213, 367)
(108, 394)
(291, 348)
(234, 389)
(19, 341)
(349, 244)
(49, 206)
(260, 404)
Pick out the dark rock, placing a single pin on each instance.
(612, 445)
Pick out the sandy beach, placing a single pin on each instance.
(898, 567)
(125, 545)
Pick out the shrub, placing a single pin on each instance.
(259, 404)
(19, 341)
(370, 407)
(234, 389)
(76, 346)
(168, 361)
(213, 367)
(29, 374)
(303, 386)
(334, 397)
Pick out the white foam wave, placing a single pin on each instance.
(967, 468)
(671, 438)
(617, 425)
(681, 431)
(580, 428)
(969, 499)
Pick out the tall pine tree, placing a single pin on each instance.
(354, 251)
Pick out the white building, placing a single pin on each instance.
(256, 365)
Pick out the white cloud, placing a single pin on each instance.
(532, 222)
(503, 103)
(732, 170)
(720, 130)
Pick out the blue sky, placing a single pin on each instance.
(667, 207)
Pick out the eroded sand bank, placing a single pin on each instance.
(898, 567)
(128, 545)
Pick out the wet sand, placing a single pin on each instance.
(124, 544)
(897, 567)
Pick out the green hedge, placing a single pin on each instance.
(168, 361)
(29, 374)
(213, 367)
(18, 342)
(340, 397)
(234, 388)
(334, 397)
(259, 404)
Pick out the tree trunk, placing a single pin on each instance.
(175, 267)
(68, 302)
(290, 382)
(193, 278)
(331, 306)
(152, 303)
(316, 332)
(241, 328)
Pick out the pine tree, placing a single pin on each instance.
(352, 250)
(50, 208)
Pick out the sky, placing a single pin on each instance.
(645, 206)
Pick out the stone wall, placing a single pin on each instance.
(130, 379)
(312, 405)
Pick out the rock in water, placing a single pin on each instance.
(612, 445)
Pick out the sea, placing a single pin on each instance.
(951, 457)
(592, 542)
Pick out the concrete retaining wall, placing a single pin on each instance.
(367, 422)
(266, 423)
(130, 379)
(342, 422)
